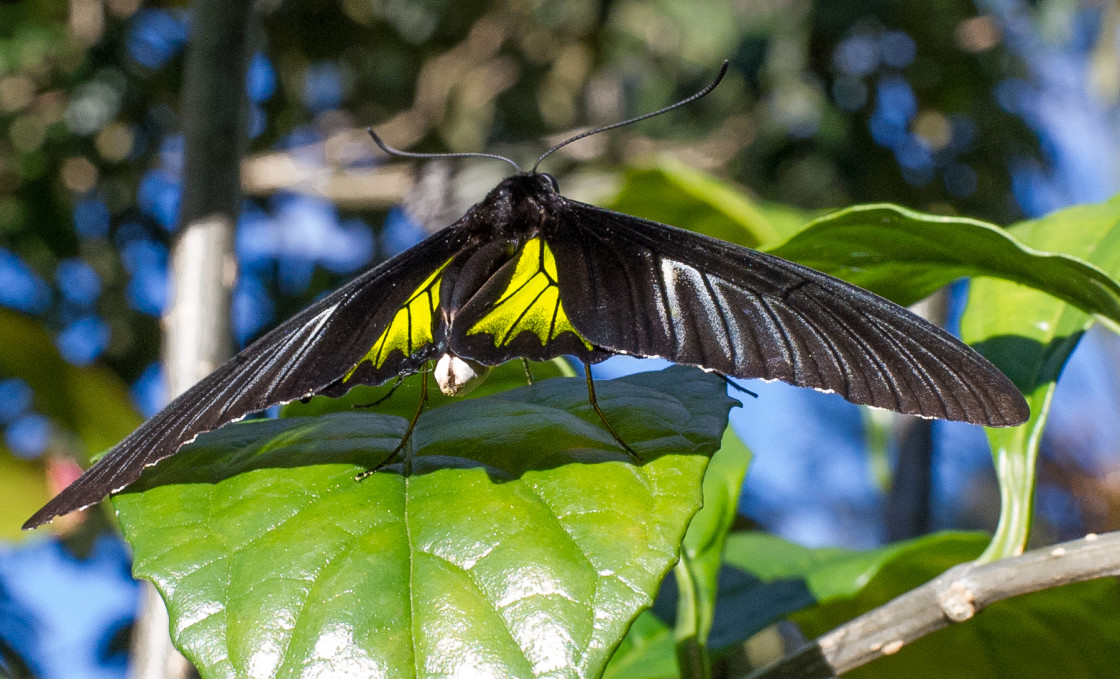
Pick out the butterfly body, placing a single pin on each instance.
(528, 273)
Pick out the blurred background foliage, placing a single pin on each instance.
(996, 109)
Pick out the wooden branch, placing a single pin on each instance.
(196, 325)
(954, 596)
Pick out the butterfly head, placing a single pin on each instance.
(530, 185)
(520, 203)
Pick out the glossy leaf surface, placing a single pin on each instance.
(521, 544)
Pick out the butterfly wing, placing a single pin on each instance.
(638, 287)
(515, 311)
(383, 323)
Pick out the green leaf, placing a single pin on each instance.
(649, 651)
(23, 489)
(1071, 632)
(767, 578)
(88, 407)
(653, 648)
(521, 544)
(671, 192)
(1030, 336)
(697, 573)
(905, 256)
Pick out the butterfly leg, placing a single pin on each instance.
(598, 411)
(528, 373)
(399, 450)
(736, 386)
(374, 404)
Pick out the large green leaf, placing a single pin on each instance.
(905, 256)
(1030, 336)
(521, 543)
(671, 192)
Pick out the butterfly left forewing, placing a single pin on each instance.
(384, 323)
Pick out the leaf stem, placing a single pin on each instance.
(692, 651)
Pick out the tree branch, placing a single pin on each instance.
(954, 596)
(196, 326)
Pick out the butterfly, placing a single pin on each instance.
(527, 273)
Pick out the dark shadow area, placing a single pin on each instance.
(745, 605)
(1027, 362)
(530, 428)
(12, 666)
(114, 646)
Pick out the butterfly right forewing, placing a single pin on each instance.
(639, 287)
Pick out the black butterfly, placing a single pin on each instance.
(527, 273)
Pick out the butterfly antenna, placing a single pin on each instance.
(702, 93)
(408, 154)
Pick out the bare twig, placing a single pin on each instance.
(954, 596)
(196, 326)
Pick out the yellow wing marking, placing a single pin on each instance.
(531, 302)
(411, 327)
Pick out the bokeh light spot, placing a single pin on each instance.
(261, 79)
(323, 86)
(20, 287)
(93, 106)
(157, 35)
(115, 142)
(92, 218)
(159, 197)
(78, 282)
(28, 435)
(27, 133)
(149, 391)
(898, 49)
(978, 34)
(78, 174)
(857, 55)
(933, 129)
(16, 92)
(84, 340)
(16, 397)
(146, 260)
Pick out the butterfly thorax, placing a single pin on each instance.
(518, 207)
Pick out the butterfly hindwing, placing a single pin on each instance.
(517, 313)
(384, 323)
(634, 286)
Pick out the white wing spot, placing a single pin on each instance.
(675, 273)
